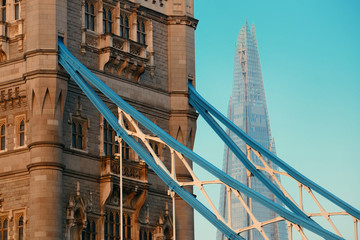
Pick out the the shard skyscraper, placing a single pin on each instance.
(248, 110)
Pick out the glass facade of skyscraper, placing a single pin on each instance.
(248, 110)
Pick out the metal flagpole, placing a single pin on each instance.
(121, 175)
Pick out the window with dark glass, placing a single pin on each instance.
(17, 6)
(3, 10)
(89, 233)
(77, 135)
(155, 147)
(125, 148)
(141, 36)
(112, 226)
(107, 21)
(126, 227)
(145, 235)
(22, 133)
(2, 137)
(124, 26)
(3, 229)
(20, 227)
(89, 16)
(111, 146)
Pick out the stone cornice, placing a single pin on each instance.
(40, 52)
(46, 144)
(46, 165)
(182, 20)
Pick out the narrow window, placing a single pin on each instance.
(73, 128)
(145, 235)
(109, 22)
(121, 26)
(80, 137)
(125, 151)
(77, 135)
(110, 141)
(2, 136)
(111, 146)
(16, 9)
(141, 36)
(105, 138)
(128, 227)
(87, 15)
(4, 230)
(104, 21)
(150, 236)
(22, 133)
(92, 17)
(111, 227)
(127, 28)
(138, 31)
(89, 233)
(3, 10)
(117, 226)
(21, 228)
(93, 230)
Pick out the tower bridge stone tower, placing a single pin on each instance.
(59, 161)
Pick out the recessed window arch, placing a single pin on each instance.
(111, 145)
(20, 228)
(107, 21)
(141, 35)
(124, 26)
(4, 229)
(78, 135)
(3, 11)
(89, 233)
(17, 9)
(89, 16)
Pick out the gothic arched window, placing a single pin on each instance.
(20, 226)
(16, 8)
(3, 229)
(141, 35)
(111, 146)
(112, 226)
(77, 135)
(107, 21)
(89, 16)
(89, 233)
(3, 11)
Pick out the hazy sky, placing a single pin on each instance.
(310, 59)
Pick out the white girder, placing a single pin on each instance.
(137, 133)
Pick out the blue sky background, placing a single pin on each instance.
(310, 58)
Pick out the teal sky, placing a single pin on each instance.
(310, 59)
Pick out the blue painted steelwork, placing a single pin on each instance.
(241, 156)
(64, 56)
(195, 97)
(79, 73)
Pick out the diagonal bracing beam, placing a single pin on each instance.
(79, 73)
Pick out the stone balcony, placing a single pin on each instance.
(118, 56)
(132, 170)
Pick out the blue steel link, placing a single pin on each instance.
(241, 156)
(74, 68)
(174, 186)
(265, 152)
